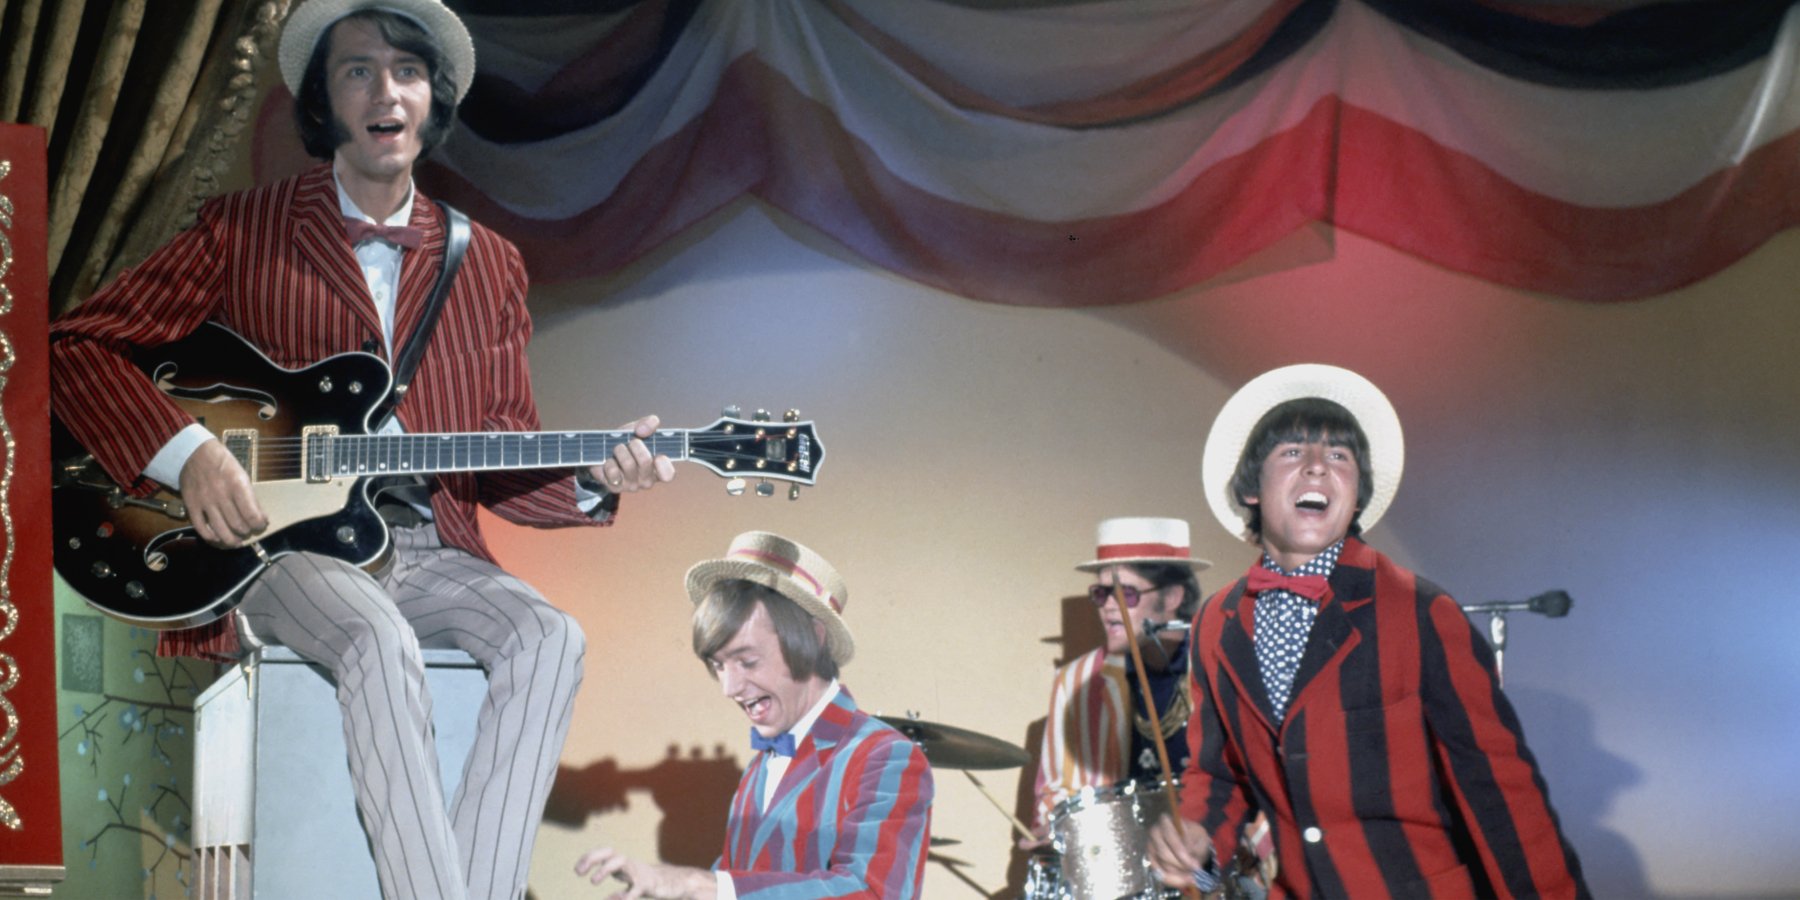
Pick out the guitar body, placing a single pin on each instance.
(139, 560)
(303, 436)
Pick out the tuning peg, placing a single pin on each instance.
(734, 412)
(765, 489)
(761, 415)
(734, 487)
(792, 415)
(793, 492)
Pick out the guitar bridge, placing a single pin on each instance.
(317, 446)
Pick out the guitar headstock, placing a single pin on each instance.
(759, 448)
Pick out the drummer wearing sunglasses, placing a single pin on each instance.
(1092, 739)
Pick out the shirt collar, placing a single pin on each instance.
(347, 206)
(1323, 564)
(812, 715)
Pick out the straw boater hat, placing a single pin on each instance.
(313, 18)
(1142, 540)
(1224, 446)
(789, 569)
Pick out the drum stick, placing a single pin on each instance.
(1023, 831)
(1156, 735)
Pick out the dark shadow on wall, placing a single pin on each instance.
(1080, 633)
(693, 791)
(1584, 780)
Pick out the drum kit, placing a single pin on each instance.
(1100, 836)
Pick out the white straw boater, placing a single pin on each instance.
(1142, 540)
(790, 569)
(1365, 401)
(306, 24)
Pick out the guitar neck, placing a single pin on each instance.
(428, 454)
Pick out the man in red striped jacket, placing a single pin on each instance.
(342, 258)
(1340, 694)
(834, 803)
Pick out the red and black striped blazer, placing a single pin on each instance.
(274, 265)
(1400, 768)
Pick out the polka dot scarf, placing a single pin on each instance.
(1283, 621)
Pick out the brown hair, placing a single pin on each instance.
(719, 618)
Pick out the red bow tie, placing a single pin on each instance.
(399, 235)
(1312, 587)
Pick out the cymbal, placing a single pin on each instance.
(947, 747)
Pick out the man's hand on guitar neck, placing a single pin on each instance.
(219, 501)
(632, 468)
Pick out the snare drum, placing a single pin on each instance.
(1103, 835)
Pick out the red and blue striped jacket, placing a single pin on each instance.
(1400, 768)
(851, 818)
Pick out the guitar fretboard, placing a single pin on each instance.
(425, 454)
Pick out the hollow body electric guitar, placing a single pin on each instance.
(303, 435)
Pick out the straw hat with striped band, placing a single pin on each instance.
(314, 18)
(1128, 541)
(791, 570)
(1231, 431)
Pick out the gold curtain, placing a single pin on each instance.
(143, 102)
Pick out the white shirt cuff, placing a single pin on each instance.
(167, 464)
(727, 890)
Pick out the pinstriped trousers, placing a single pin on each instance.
(367, 632)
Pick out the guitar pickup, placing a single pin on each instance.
(317, 446)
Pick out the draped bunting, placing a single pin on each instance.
(1108, 152)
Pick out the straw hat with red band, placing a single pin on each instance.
(791, 570)
(1129, 541)
(1231, 431)
(307, 24)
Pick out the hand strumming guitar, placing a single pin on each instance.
(216, 491)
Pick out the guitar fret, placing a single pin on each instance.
(391, 454)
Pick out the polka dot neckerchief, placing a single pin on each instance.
(1283, 621)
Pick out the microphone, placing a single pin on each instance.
(1553, 604)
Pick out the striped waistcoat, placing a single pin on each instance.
(1400, 768)
(851, 818)
(1087, 736)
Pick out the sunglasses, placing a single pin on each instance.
(1101, 594)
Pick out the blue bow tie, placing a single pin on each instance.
(782, 744)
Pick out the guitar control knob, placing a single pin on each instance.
(134, 590)
(101, 570)
(734, 487)
(325, 385)
(355, 387)
(346, 534)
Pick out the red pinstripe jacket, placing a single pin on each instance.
(851, 817)
(1400, 769)
(273, 264)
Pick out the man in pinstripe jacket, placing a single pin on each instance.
(1340, 694)
(376, 84)
(834, 803)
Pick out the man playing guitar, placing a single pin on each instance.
(342, 258)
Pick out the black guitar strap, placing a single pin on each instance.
(456, 226)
